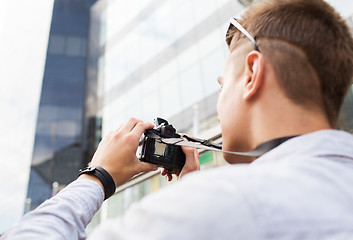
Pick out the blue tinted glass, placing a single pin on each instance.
(57, 153)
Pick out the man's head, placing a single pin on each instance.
(305, 45)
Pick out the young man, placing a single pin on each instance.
(289, 67)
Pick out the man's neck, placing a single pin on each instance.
(286, 120)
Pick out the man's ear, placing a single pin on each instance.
(255, 66)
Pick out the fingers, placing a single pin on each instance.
(109, 134)
(170, 177)
(196, 155)
(169, 174)
(192, 162)
(112, 132)
(135, 127)
(146, 167)
(189, 152)
(117, 151)
(120, 126)
(184, 134)
(140, 127)
(130, 124)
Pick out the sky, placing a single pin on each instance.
(344, 7)
(24, 30)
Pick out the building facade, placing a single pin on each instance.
(58, 150)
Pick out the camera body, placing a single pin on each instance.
(170, 157)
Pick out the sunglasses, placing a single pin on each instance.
(234, 23)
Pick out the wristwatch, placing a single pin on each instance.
(104, 177)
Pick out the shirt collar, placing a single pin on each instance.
(319, 143)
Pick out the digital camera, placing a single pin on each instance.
(170, 157)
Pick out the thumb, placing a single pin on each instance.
(146, 167)
(188, 151)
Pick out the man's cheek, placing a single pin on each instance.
(219, 104)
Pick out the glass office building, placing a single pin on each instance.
(58, 148)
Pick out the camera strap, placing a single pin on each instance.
(207, 145)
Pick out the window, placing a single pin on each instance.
(67, 45)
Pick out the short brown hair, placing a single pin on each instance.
(293, 33)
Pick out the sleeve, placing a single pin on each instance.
(194, 208)
(64, 216)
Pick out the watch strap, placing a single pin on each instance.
(104, 177)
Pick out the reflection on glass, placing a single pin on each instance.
(57, 152)
(56, 44)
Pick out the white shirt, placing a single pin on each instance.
(303, 189)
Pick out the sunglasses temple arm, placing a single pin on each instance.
(246, 33)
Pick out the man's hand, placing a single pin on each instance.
(116, 153)
(192, 163)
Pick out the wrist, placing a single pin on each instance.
(101, 176)
(92, 178)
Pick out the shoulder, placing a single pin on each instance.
(202, 188)
(207, 200)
